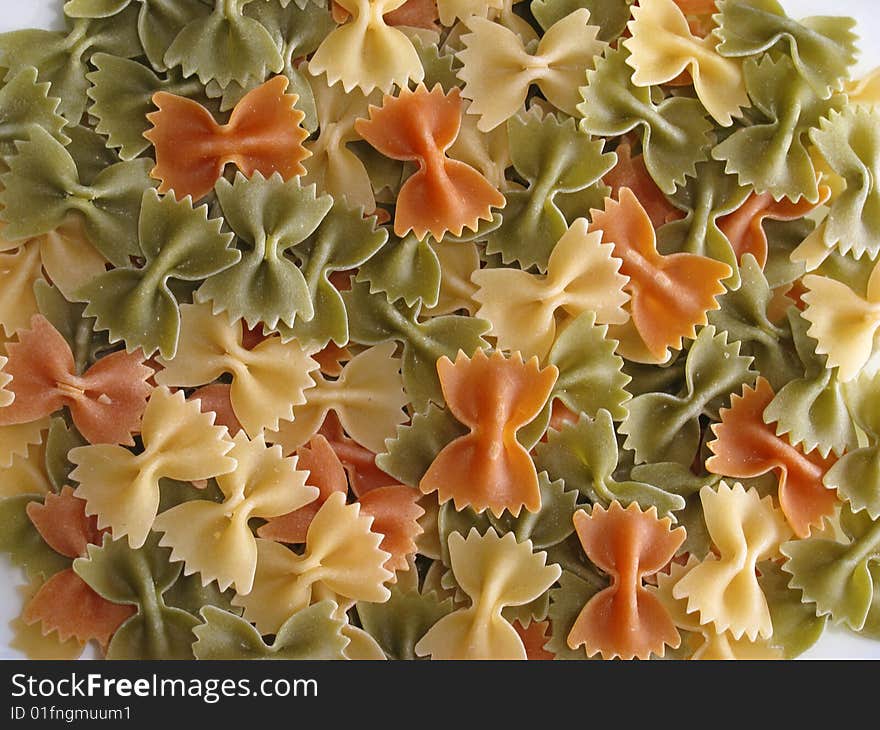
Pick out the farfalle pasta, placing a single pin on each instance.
(438, 329)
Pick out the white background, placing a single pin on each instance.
(835, 643)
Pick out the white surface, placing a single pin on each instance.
(835, 643)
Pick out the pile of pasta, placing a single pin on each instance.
(461, 329)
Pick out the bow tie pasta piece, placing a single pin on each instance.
(675, 133)
(556, 160)
(488, 468)
(745, 446)
(630, 172)
(671, 294)
(263, 135)
(844, 323)
(662, 427)
(267, 380)
(373, 320)
(368, 399)
(106, 402)
(838, 575)
(214, 539)
(849, 141)
(367, 53)
(625, 620)
(445, 195)
(6, 396)
(249, 51)
(122, 488)
(495, 572)
(139, 578)
(24, 104)
(315, 632)
(269, 216)
(65, 604)
(450, 11)
(44, 186)
(724, 588)
(662, 47)
(333, 167)
(341, 560)
(136, 305)
(524, 308)
(822, 48)
(498, 71)
(772, 154)
(62, 57)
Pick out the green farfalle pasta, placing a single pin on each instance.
(796, 627)
(249, 51)
(822, 48)
(610, 16)
(584, 455)
(60, 439)
(345, 239)
(269, 217)
(405, 268)
(590, 378)
(666, 427)
(312, 633)
(676, 132)
(44, 186)
(811, 409)
(577, 585)
(553, 157)
(62, 56)
(838, 576)
(440, 67)
(297, 32)
(850, 143)
(24, 103)
(772, 154)
(159, 21)
(121, 92)
(704, 198)
(399, 623)
(177, 241)
(743, 315)
(373, 319)
(20, 540)
(139, 578)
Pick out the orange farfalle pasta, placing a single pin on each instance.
(106, 402)
(65, 603)
(744, 227)
(625, 620)
(494, 397)
(445, 195)
(630, 172)
(263, 135)
(359, 462)
(534, 637)
(393, 507)
(670, 295)
(746, 447)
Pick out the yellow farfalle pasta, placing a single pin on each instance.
(214, 539)
(706, 642)
(333, 167)
(724, 588)
(367, 396)
(498, 70)
(341, 562)
(844, 323)
(582, 275)
(367, 53)
(452, 10)
(122, 488)
(267, 381)
(15, 440)
(20, 269)
(26, 474)
(865, 90)
(495, 572)
(662, 47)
(487, 152)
